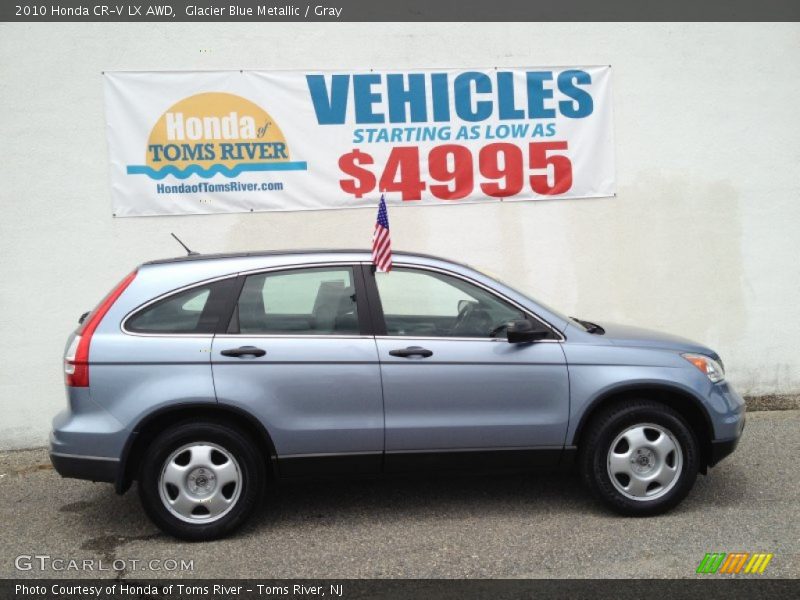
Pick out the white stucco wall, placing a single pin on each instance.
(702, 239)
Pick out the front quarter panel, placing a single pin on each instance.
(599, 370)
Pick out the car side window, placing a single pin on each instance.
(314, 301)
(196, 310)
(418, 303)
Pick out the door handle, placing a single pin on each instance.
(412, 351)
(244, 351)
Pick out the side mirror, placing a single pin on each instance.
(523, 331)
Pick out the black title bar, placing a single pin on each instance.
(399, 589)
(398, 10)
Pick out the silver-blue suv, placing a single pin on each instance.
(206, 378)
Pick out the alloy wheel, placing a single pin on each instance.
(200, 482)
(645, 462)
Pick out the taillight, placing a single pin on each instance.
(76, 362)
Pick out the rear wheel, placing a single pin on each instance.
(200, 481)
(640, 458)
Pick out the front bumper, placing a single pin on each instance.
(722, 448)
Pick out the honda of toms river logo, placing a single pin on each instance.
(215, 133)
(734, 563)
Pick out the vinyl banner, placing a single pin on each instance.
(243, 141)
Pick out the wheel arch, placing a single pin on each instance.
(153, 423)
(689, 406)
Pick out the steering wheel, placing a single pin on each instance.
(463, 316)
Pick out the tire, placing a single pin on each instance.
(201, 480)
(651, 451)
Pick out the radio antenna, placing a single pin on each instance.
(185, 247)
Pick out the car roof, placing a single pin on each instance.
(308, 252)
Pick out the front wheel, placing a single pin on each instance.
(640, 458)
(200, 481)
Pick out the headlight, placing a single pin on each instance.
(710, 367)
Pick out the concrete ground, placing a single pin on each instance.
(498, 527)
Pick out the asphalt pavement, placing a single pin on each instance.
(449, 527)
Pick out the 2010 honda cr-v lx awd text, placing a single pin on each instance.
(204, 378)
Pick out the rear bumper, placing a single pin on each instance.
(93, 468)
(84, 444)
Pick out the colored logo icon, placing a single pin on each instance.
(734, 563)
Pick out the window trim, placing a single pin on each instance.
(374, 295)
(372, 326)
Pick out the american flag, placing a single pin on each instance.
(381, 242)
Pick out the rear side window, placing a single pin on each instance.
(196, 310)
(314, 301)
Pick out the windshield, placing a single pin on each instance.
(548, 308)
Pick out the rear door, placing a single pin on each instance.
(298, 355)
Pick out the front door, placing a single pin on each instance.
(456, 393)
